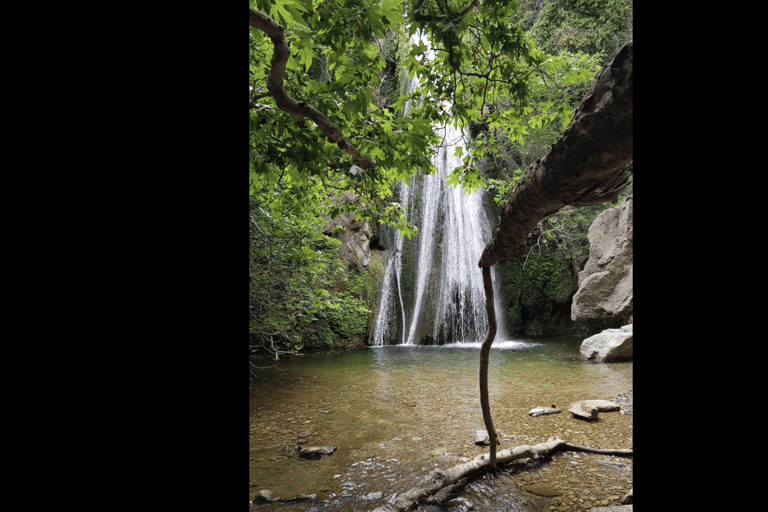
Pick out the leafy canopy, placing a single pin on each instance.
(480, 67)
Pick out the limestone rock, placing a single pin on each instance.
(602, 405)
(540, 411)
(355, 237)
(583, 411)
(482, 438)
(609, 345)
(605, 295)
(589, 409)
(316, 452)
(263, 496)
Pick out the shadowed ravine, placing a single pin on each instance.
(396, 412)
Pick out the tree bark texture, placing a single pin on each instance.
(285, 102)
(485, 350)
(439, 479)
(586, 165)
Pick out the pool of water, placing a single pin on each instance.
(397, 412)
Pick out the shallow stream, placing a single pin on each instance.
(397, 412)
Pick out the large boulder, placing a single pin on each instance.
(604, 298)
(608, 346)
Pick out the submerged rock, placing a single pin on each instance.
(316, 452)
(543, 489)
(583, 411)
(540, 411)
(482, 439)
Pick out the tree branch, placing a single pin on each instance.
(588, 164)
(285, 102)
(439, 479)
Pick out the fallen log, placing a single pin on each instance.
(439, 479)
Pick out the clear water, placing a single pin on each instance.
(397, 412)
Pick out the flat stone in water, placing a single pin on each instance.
(316, 452)
(482, 438)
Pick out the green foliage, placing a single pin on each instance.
(338, 38)
(292, 264)
(590, 26)
(348, 58)
(539, 288)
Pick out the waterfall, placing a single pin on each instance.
(440, 297)
(439, 287)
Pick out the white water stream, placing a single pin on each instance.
(440, 288)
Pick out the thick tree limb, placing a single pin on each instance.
(439, 479)
(586, 165)
(285, 102)
(484, 356)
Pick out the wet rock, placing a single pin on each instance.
(482, 439)
(602, 405)
(316, 452)
(373, 496)
(614, 464)
(263, 496)
(589, 409)
(540, 411)
(583, 411)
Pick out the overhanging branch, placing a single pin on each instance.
(587, 165)
(285, 102)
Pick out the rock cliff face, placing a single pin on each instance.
(355, 241)
(355, 236)
(604, 298)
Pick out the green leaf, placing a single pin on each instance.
(306, 54)
(455, 177)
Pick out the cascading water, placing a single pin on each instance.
(440, 297)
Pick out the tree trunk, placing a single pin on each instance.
(285, 102)
(586, 165)
(485, 350)
(439, 479)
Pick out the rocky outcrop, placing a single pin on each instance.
(355, 236)
(604, 297)
(608, 346)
